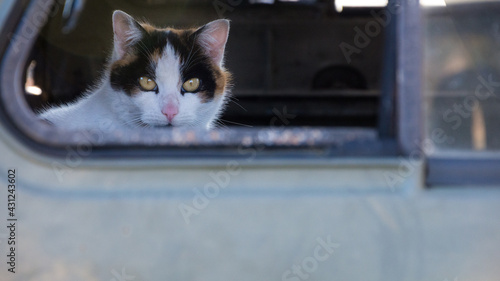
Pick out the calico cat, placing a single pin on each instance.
(155, 78)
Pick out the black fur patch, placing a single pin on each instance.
(142, 61)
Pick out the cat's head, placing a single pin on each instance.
(171, 76)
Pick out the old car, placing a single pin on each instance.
(360, 142)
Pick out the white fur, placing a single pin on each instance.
(107, 109)
(103, 109)
(192, 112)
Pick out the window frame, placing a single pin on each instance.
(277, 142)
(461, 168)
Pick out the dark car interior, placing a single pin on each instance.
(282, 54)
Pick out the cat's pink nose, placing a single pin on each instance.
(170, 111)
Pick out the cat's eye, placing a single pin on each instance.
(147, 84)
(191, 85)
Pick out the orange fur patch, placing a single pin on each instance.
(126, 60)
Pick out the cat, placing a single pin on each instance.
(155, 78)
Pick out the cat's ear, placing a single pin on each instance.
(127, 32)
(213, 37)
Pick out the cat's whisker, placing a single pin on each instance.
(145, 51)
(219, 125)
(233, 100)
(135, 121)
(190, 55)
(236, 123)
(192, 63)
(145, 48)
(187, 65)
(142, 48)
